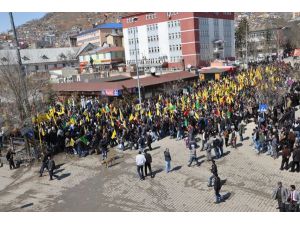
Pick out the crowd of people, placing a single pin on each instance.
(217, 111)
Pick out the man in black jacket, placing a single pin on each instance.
(51, 167)
(217, 188)
(214, 171)
(296, 160)
(10, 158)
(44, 164)
(149, 142)
(148, 163)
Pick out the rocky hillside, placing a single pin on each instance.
(63, 24)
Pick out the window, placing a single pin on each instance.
(150, 16)
(46, 67)
(25, 58)
(36, 68)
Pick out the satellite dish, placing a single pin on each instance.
(189, 66)
(152, 70)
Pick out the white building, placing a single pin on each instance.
(178, 38)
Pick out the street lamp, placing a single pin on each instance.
(136, 64)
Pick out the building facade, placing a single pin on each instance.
(98, 34)
(107, 57)
(41, 60)
(178, 38)
(265, 42)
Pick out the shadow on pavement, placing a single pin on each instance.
(226, 196)
(58, 171)
(239, 145)
(223, 182)
(64, 175)
(59, 165)
(157, 172)
(226, 153)
(176, 168)
(157, 147)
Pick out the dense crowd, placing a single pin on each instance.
(217, 111)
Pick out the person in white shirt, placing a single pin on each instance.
(140, 162)
(293, 199)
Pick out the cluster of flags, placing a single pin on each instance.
(219, 93)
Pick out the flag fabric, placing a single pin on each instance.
(114, 134)
(72, 142)
(131, 117)
(84, 140)
(62, 111)
(157, 112)
(197, 116)
(121, 115)
(112, 122)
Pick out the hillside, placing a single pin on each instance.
(60, 25)
(63, 24)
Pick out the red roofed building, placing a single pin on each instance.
(178, 38)
(149, 84)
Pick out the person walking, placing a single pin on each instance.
(51, 167)
(149, 142)
(148, 163)
(285, 158)
(193, 156)
(217, 188)
(140, 162)
(216, 144)
(293, 199)
(44, 164)
(167, 160)
(221, 145)
(280, 194)
(10, 158)
(214, 171)
(296, 160)
(226, 137)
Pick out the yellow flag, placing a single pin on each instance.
(131, 117)
(121, 115)
(62, 111)
(43, 132)
(98, 114)
(72, 142)
(197, 116)
(114, 134)
(149, 114)
(157, 112)
(112, 123)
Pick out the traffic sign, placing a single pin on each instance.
(263, 107)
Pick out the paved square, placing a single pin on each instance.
(85, 185)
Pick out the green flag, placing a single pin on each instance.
(84, 140)
(185, 123)
(197, 105)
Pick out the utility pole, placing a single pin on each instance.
(136, 65)
(22, 70)
(247, 44)
(24, 96)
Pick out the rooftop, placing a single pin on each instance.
(102, 26)
(43, 55)
(132, 83)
